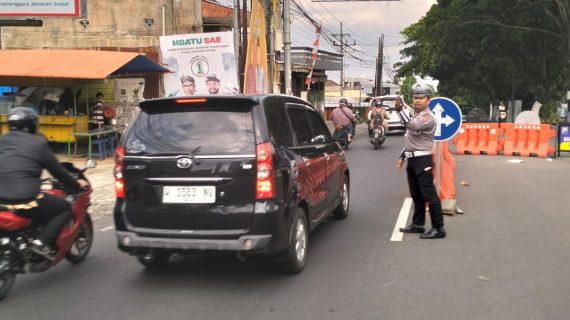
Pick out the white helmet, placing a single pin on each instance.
(421, 90)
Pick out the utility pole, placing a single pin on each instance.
(270, 39)
(287, 44)
(236, 32)
(243, 47)
(379, 67)
(342, 44)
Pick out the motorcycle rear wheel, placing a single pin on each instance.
(82, 243)
(7, 280)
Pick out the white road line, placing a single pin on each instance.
(109, 228)
(402, 219)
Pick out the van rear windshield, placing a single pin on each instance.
(216, 130)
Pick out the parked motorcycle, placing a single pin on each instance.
(17, 233)
(377, 134)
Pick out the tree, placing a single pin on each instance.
(490, 50)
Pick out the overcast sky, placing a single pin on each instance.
(364, 21)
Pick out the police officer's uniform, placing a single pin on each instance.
(418, 146)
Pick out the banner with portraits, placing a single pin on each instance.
(201, 63)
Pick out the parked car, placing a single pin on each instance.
(394, 124)
(248, 174)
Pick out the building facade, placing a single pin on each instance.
(110, 23)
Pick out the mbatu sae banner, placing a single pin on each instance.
(202, 63)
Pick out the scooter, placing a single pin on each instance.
(341, 136)
(16, 234)
(377, 134)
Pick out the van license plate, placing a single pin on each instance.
(194, 194)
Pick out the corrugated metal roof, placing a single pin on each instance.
(73, 64)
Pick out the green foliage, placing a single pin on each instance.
(490, 50)
(406, 88)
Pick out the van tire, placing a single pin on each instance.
(294, 258)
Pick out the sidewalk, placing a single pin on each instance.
(102, 181)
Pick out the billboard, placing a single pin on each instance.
(201, 63)
(43, 8)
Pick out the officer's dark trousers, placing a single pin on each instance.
(54, 212)
(422, 190)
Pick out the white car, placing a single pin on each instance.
(394, 124)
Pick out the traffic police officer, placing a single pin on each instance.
(418, 145)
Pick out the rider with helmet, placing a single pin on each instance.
(342, 117)
(377, 110)
(23, 156)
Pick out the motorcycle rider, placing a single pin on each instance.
(342, 117)
(377, 109)
(23, 156)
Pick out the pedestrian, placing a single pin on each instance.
(418, 146)
(342, 117)
(97, 112)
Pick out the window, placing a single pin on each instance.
(216, 130)
(278, 123)
(300, 125)
(321, 133)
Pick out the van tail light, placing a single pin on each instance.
(119, 182)
(265, 184)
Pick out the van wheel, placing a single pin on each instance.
(294, 258)
(155, 260)
(341, 212)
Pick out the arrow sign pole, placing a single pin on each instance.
(437, 166)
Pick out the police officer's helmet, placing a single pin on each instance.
(23, 119)
(343, 101)
(421, 90)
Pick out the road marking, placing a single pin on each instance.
(109, 228)
(402, 219)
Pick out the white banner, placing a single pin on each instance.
(202, 63)
(40, 8)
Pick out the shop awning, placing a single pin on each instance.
(21, 65)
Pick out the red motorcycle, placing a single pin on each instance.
(17, 233)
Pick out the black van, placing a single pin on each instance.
(249, 174)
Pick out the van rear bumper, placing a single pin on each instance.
(130, 241)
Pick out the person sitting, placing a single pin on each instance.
(342, 117)
(23, 156)
(377, 110)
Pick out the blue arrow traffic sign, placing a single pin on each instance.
(448, 117)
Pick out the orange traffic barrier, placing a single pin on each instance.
(528, 139)
(478, 138)
(447, 178)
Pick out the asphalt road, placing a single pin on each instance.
(506, 258)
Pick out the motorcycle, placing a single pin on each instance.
(17, 233)
(341, 136)
(377, 134)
